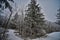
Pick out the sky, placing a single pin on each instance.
(49, 7)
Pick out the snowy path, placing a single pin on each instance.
(51, 36)
(12, 36)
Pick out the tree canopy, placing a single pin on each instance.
(6, 4)
(34, 21)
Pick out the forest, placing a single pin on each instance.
(26, 22)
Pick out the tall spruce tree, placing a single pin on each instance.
(34, 21)
(58, 17)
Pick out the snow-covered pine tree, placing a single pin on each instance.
(58, 17)
(34, 21)
(14, 21)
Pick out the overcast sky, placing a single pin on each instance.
(49, 7)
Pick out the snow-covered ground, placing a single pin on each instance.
(51, 36)
(12, 36)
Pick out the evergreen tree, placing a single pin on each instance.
(58, 17)
(14, 21)
(16, 16)
(34, 21)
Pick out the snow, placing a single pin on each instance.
(11, 35)
(1, 30)
(51, 36)
(55, 34)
